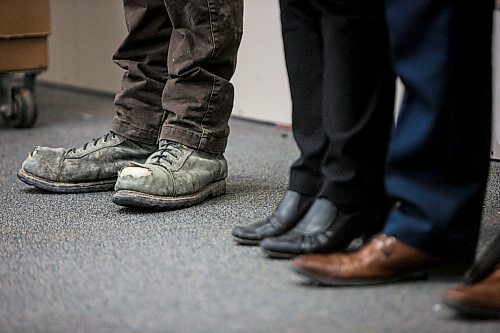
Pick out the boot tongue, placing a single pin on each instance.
(166, 143)
(168, 151)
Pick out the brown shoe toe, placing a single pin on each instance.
(383, 260)
(316, 266)
(481, 300)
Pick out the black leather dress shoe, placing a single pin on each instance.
(324, 228)
(290, 210)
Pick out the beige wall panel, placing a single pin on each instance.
(85, 33)
(261, 82)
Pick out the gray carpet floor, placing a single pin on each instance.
(79, 263)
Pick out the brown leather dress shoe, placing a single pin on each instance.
(382, 260)
(480, 300)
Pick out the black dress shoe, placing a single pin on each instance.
(290, 210)
(324, 228)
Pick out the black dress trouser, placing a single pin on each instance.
(342, 87)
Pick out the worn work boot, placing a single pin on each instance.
(89, 168)
(175, 176)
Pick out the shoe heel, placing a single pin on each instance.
(219, 189)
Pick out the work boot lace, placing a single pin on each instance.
(168, 152)
(94, 142)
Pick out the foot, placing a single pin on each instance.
(324, 228)
(383, 260)
(91, 167)
(289, 211)
(480, 300)
(175, 176)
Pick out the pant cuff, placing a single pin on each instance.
(304, 183)
(194, 140)
(350, 196)
(420, 234)
(134, 133)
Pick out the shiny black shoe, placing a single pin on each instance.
(324, 228)
(290, 210)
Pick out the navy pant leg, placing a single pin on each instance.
(438, 160)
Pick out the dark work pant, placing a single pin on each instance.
(342, 90)
(178, 58)
(439, 154)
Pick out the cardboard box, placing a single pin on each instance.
(24, 27)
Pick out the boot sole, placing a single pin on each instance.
(60, 187)
(135, 199)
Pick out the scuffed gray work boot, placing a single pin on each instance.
(175, 176)
(89, 168)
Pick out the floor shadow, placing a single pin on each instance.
(38, 191)
(138, 211)
(469, 319)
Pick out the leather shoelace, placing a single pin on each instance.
(168, 152)
(94, 142)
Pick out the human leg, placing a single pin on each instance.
(438, 159)
(439, 154)
(356, 113)
(143, 56)
(189, 166)
(304, 60)
(134, 133)
(198, 96)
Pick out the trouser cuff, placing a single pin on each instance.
(305, 183)
(194, 140)
(134, 133)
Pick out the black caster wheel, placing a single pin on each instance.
(24, 111)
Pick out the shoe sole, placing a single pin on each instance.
(279, 255)
(289, 255)
(337, 282)
(135, 199)
(60, 187)
(472, 310)
(243, 241)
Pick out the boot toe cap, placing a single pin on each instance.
(44, 162)
(145, 179)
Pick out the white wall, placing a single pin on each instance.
(261, 82)
(85, 33)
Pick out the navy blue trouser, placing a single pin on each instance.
(438, 157)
